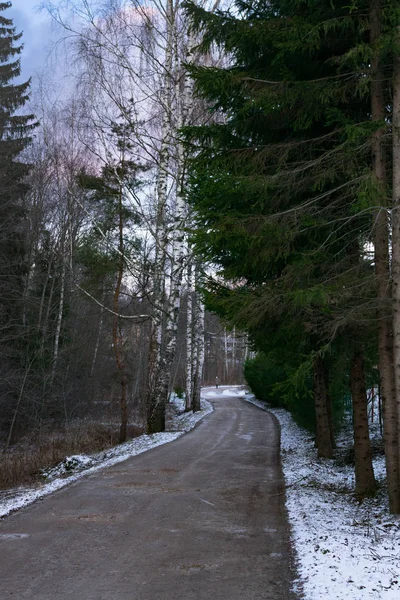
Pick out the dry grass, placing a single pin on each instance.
(22, 463)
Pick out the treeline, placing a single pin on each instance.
(296, 184)
(101, 314)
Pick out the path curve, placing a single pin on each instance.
(200, 518)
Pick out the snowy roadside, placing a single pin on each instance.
(76, 467)
(345, 550)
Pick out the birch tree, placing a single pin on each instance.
(134, 54)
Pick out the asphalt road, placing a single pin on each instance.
(201, 518)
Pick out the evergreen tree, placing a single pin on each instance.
(15, 131)
(283, 187)
(110, 190)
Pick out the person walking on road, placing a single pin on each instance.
(217, 382)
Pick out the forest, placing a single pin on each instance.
(100, 309)
(211, 185)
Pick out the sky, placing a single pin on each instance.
(37, 34)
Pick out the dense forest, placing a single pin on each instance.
(296, 193)
(101, 314)
(240, 157)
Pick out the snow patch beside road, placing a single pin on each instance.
(344, 550)
(224, 390)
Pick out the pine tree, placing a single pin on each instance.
(15, 131)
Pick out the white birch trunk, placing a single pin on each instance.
(157, 384)
(98, 335)
(226, 355)
(163, 342)
(199, 347)
(59, 319)
(246, 348)
(180, 105)
(43, 296)
(179, 245)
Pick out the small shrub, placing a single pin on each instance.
(274, 383)
(262, 374)
(179, 391)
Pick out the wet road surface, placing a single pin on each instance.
(201, 518)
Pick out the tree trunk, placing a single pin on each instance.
(321, 401)
(365, 480)
(117, 336)
(98, 334)
(330, 418)
(59, 318)
(43, 294)
(396, 245)
(382, 273)
(372, 404)
(189, 342)
(94, 388)
(17, 407)
(226, 366)
(44, 323)
(233, 357)
(198, 350)
(156, 394)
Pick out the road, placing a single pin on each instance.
(201, 518)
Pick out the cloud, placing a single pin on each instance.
(36, 28)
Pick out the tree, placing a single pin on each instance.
(130, 53)
(381, 235)
(282, 187)
(15, 135)
(112, 189)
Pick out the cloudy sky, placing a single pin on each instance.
(38, 33)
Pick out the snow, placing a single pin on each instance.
(344, 550)
(76, 462)
(225, 390)
(75, 467)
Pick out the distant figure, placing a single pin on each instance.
(217, 382)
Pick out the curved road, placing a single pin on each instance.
(201, 518)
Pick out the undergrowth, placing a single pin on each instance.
(22, 463)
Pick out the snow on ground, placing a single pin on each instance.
(344, 550)
(224, 390)
(74, 467)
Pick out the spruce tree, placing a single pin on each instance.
(283, 187)
(15, 131)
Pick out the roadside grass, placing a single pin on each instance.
(72, 467)
(22, 463)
